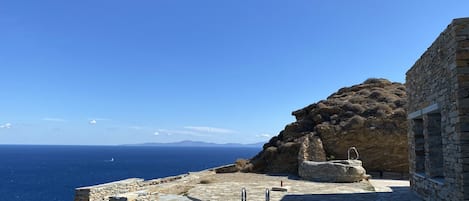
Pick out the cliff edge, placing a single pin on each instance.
(369, 116)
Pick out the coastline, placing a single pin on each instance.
(43, 172)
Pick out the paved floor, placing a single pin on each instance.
(227, 187)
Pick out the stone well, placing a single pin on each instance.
(332, 171)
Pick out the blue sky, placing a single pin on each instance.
(119, 72)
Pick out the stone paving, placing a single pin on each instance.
(227, 187)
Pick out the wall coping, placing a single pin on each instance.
(427, 110)
(125, 181)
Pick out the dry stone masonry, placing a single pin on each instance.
(134, 189)
(438, 115)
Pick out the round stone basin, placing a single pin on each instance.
(332, 171)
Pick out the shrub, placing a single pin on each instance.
(205, 181)
(400, 102)
(400, 112)
(355, 122)
(384, 107)
(376, 94)
(355, 108)
(241, 163)
(377, 81)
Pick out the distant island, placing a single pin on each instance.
(189, 143)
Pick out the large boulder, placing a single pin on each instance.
(369, 116)
(332, 171)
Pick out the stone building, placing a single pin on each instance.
(438, 112)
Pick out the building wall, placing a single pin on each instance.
(438, 84)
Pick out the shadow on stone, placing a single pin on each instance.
(289, 176)
(335, 197)
(193, 199)
(398, 193)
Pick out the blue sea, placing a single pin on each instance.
(51, 173)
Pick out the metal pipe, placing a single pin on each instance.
(267, 194)
(243, 194)
(349, 157)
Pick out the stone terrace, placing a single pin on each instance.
(210, 186)
(228, 186)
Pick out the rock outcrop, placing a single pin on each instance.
(369, 116)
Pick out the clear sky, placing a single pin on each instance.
(120, 72)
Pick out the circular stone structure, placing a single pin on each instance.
(332, 171)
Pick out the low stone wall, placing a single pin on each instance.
(133, 189)
(432, 189)
(119, 190)
(102, 192)
(135, 196)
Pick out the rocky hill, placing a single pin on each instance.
(369, 116)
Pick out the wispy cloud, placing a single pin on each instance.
(156, 133)
(53, 119)
(6, 125)
(138, 127)
(95, 120)
(208, 129)
(99, 119)
(263, 135)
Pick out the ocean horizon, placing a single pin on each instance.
(52, 172)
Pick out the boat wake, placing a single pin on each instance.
(110, 160)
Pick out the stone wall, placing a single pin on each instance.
(104, 191)
(438, 107)
(128, 189)
(136, 189)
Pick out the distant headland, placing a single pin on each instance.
(190, 143)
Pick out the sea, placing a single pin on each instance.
(52, 172)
